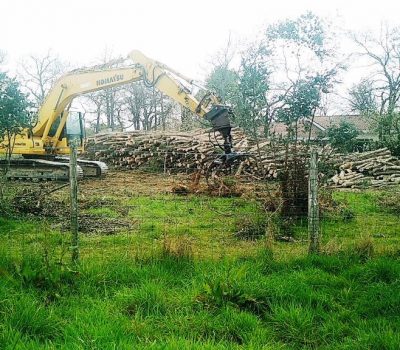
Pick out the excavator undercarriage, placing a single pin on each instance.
(45, 145)
(56, 169)
(37, 170)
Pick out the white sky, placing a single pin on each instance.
(181, 33)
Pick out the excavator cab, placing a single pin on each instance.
(74, 126)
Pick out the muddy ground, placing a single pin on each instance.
(50, 200)
(104, 204)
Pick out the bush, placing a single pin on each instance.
(294, 189)
(343, 137)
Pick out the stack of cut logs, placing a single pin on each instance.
(177, 152)
(171, 151)
(368, 169)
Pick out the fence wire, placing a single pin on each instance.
(144, 213)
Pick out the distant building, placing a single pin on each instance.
(316, 128)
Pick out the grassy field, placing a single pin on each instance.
(181, 277)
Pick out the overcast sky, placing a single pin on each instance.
(182, 33)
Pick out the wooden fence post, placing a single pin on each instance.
(73, 178)
(313, 210)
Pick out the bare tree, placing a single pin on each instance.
(39, 72)
(108, 102)
(133, 105)
(134, 100)
(93, 106)
(112, 105)
(166, 110)
(383, 85)
(148, 108)
(303, 56)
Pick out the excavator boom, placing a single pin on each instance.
(47, 139)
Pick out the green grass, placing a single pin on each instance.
(325, 302)
(361, 217)
(107, 212)
(132, 290)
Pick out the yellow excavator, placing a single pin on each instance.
(44, 148)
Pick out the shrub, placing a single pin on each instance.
(294, 189)
(343, 137)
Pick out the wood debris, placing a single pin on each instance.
(376, 168)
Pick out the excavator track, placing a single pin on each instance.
(38, 170)
(90, 168)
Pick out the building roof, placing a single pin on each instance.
(360, 122)
(321, 123)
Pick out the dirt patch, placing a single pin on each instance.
(104, 203)
(51, 201)
(94, 224)
(228, 186)
(39, 200)
(125, 184)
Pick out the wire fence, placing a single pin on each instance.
(147, 213)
